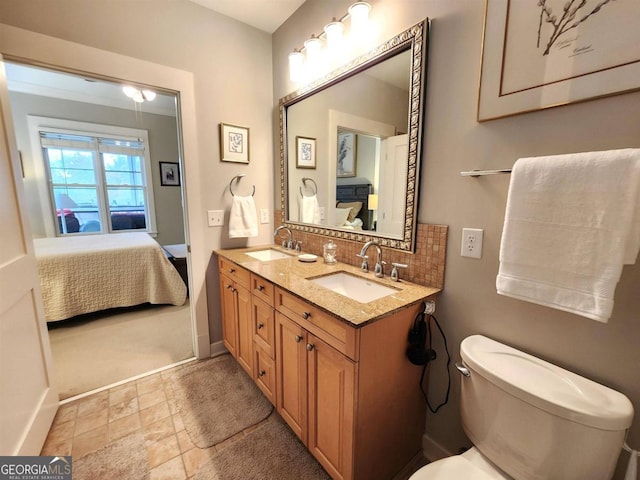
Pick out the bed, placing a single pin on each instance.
(354, 197)
(89, 273)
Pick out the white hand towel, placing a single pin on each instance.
(243, 219)
(310, 209)
(568, 229)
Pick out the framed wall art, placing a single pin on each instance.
(169, 174)
(305, 152)
(346, 155)
(234, 143)
(546, 53)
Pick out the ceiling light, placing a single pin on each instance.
(137, 95)
(333, 33)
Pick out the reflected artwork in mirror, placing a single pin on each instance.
(366, 121)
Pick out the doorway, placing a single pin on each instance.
(126, 342)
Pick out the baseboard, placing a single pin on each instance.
(218, 348)
(432, 450)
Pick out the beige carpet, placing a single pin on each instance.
(217, 399)
(95, 350)
(270, 452)
(125, 459)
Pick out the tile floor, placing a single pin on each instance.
(146, 405)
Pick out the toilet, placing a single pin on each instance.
(529, 419)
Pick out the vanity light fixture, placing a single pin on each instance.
(359, 13)
(303, 68)
(138, 95)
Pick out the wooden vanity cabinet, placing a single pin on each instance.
(237, 323)
(349, 393)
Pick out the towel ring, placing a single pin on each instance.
(304, 181)
(237, 179)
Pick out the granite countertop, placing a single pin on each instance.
(293, 275)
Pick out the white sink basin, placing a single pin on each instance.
(359, 289)
(268, 254)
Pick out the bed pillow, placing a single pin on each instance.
(355, 208)
(341, 215)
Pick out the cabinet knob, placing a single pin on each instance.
(261, 288)
(310, 346)
(262, 373)
(298, 338)
(260, 325)
(232, 270)
(306, 315)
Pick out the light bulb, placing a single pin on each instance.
(129, 91)
(296, 66)
(359, 13)
(148, 95)
(137, 97)
(313, 47)
(333, 33)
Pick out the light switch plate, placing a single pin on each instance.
(264, 215)
(215, 218)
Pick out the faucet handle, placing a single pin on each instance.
(365, 265)
(298, 246)
(379, 269)
(394, 272)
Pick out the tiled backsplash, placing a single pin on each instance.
(426, 265)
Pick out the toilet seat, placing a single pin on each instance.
(470, 465)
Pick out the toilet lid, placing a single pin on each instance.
(454, 468)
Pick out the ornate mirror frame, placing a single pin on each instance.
(414, 39)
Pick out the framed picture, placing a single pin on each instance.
(234, 143)
(169, 174)
(547, 53)
(346, 155)
(305, 152)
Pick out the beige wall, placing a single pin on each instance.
(231, 67)
(454, 142)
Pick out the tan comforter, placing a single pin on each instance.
(83, 274)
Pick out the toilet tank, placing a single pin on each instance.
(535, 420)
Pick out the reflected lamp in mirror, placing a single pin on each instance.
(372, 201)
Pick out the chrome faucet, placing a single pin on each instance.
(285, 244)
(378, 269)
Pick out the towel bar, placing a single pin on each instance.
(480, 173)
(304, 181)
(237, 179)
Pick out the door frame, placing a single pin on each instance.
(23, 46)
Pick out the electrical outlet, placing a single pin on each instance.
(472, 242)
(264, 215)
(215, 218)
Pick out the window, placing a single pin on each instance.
(99, 182)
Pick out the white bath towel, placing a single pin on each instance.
(571, 223)
(310, 209)
(243, 219)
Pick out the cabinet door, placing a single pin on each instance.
(245, 328)
(331, 378)
(229, 328)
(265, 373)
(291, 378)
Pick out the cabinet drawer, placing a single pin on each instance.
(234, 272)
(265, 374)
(262, 289)
(339, 335)
(263, 325)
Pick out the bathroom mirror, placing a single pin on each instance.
(352, 141)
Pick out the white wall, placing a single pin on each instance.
(232, 82)
(454, 141)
